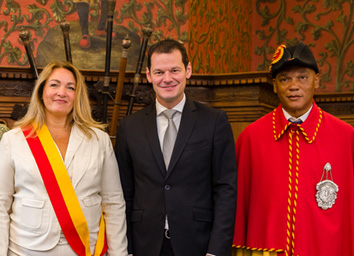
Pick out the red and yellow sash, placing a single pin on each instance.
(62, 194)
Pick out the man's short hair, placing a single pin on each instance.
(168, 46)
(299, 55)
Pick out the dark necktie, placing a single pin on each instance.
(296, 121)
(169, 137)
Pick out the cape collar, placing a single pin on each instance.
(309, 129)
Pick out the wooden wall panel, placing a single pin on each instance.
(244, 96)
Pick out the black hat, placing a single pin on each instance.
(299, 55)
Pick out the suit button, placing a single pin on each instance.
(167, 187)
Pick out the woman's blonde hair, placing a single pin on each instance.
(81, 112)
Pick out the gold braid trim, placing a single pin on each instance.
(276, 137)
(258, 249)
(292, 185)
(316, 131)
(288, 231)
(296, 188)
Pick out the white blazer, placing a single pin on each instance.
(26, 214)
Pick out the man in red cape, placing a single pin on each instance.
(295, 170)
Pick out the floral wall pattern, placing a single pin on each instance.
(42, 19)
(220, 36)
(168, 18)
(326, 26)
(216, 33)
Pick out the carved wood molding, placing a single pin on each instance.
(244, 96)
(335, 97)
(340, 105)
(196, 79)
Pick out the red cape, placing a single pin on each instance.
(277, 175)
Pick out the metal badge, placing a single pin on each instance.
(326, 189)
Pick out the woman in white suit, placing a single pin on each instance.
(60, 191)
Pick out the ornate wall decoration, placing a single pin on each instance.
(326, 26)
(168, 18)
(15, 17)
(220, 36)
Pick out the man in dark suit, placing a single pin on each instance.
(183, 205)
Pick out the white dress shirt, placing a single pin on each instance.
(294, 119)
(162, 121)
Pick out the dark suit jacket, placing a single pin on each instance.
(198, 193)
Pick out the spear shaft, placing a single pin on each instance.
(146, 34)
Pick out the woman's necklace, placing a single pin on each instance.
(64, 133)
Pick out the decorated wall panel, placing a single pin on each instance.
(43, 17)
(326, 26)
(220, 36)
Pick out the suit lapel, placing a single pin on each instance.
(189, 117)
(151, 134)
(75, 141)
